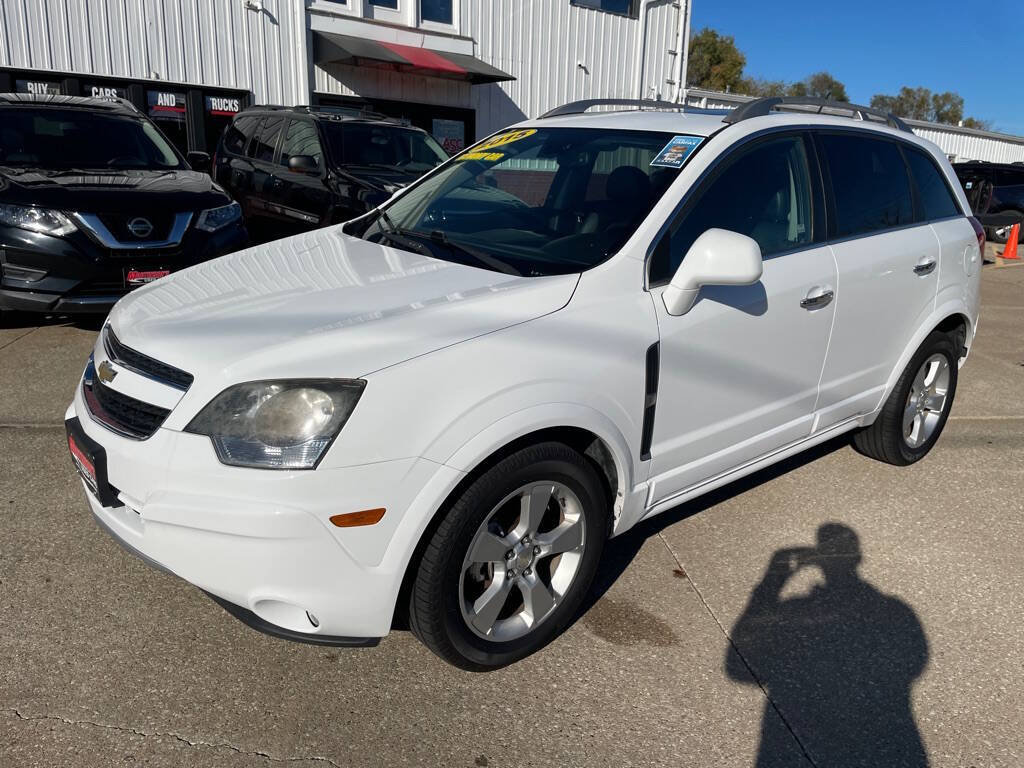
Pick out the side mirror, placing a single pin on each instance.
(303, 164)
(200, 161)
(718, 257)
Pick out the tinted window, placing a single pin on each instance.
(936, 199)
(763, 191)
(238, 133)
(626, 7)
(300, 139)
(1008, 178)
(266, 144)
(870, 184)
(74, 138)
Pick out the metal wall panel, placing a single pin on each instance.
(544, 42)
(203, 42)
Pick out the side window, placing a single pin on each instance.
(251, 149)
(936, 200)
(1009, 178)
(869, 183)
(300, 139)
(238, 133)
(763, 191)
(266, 144)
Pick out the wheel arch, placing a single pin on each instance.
(951, 317)
(607, 453)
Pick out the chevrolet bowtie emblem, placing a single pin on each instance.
(106, 372)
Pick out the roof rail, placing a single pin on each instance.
(762, 107)
(353, 113)
(579, 107)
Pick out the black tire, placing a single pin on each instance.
(435, 611)
(884, 439)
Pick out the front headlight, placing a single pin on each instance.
(36, 219)
(284, 424)
(213, 219)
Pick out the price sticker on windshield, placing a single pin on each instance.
(676, 151)
(505, 138)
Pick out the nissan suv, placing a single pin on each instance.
(298, 168)
(443, 408)
(95, 201)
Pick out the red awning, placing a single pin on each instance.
(345, 49)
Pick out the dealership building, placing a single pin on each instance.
(460, 69)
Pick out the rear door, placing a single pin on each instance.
(888, 262)
(264, 182)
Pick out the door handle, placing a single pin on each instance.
(925, 266)
(817, 298)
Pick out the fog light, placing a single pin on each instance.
(18, 272)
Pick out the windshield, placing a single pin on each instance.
(383, 146)
(537, 201)
(64, 139)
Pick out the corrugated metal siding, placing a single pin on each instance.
(205, 42)
(541, 42)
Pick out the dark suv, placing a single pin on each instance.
(297, 168)
(996, 194)
(95, 201)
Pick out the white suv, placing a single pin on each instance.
(443, 408)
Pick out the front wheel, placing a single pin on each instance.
(511, 561)
(915, 413)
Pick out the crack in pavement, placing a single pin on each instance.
(167, 734)
(737, 651)
(18, 338)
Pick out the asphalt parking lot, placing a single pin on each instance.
(688, 655)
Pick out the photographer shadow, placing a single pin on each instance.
(836, 662)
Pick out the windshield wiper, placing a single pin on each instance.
(492, 262)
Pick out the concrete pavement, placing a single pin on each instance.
(686, 656)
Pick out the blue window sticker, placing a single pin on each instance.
(676, 151)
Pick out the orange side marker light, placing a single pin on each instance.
(355, 519)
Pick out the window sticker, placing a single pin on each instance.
(506, 138)
(968, 185)
(676, 151)
(490, 157)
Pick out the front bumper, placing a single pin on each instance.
(80, 276)
(260, 542)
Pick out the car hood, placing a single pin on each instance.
(322, 304)
(107, 191)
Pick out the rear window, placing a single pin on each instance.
(936, 198)
(869, 183)
(1009, 178)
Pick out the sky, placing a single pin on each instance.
(972, 47)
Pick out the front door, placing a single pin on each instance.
(739, 372)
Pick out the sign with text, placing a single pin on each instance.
(222, 105)
(450, 134)
(166, 105)
(38, 87)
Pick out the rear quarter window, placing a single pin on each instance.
(869, 184)
(935, 196)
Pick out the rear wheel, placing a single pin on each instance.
(917, 409)
(510, 563)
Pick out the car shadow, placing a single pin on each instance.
(14, 320)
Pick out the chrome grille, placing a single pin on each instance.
(144, 365)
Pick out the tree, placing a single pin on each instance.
(820, 85)
(947, 108)
(757, 86)
(921, 104)
(715, 61)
